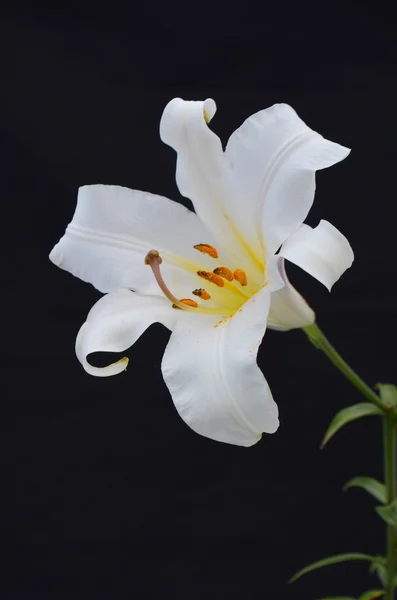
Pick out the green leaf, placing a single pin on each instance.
(332, 560)
(372, 486)
(381, 573)
(387, 393)
(371, 594)
(379, 567)
(388, 512)
(351, 413)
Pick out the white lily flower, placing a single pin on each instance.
(220, 274)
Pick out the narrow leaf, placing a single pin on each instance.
(346, 415)
(388, 512)
(381, 573)
(331, 560)
(371, 594)
(372, 486)
(378, 566)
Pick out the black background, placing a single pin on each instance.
(108, 493)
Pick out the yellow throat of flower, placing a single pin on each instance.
(227, 289)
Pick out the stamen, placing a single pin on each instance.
(240, 276)
(212, 277)
(202, 293)
(224, 272)
(188, 302)
(206, 249)
(153, 259)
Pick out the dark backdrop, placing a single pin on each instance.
(108, 493)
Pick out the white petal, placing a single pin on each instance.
(114, 324)
(288, 309)
(210, 369)
(202, 173)
(112, 230)
(274, 156)
(323, 252)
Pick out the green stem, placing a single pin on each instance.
(319, 340)
(389, 455)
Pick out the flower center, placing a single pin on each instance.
(226, 290)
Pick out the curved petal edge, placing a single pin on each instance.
(323, 252)
(115, 323)
(210, 369)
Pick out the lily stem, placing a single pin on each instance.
(318, 339)
(389, 457)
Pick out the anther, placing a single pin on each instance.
(202, 293)
(224, 272)
(240, 276)
(187, 302)
(206, 249)
(153, 259)
(212, 277)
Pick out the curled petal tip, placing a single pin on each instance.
(125, 360)
(323, 252)
(209, 109)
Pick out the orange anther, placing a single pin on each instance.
(188, 302)
(206, 249)
(153, 259)
(201, 293)
(240, 276)
(224, 272)
(212, 277)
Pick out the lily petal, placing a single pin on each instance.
(210, 369)
(274, 156)
(114, 227)
(202, 173)
(114, 324)
(323, 252)
(288, 309)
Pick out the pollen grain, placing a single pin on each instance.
(219, 323)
